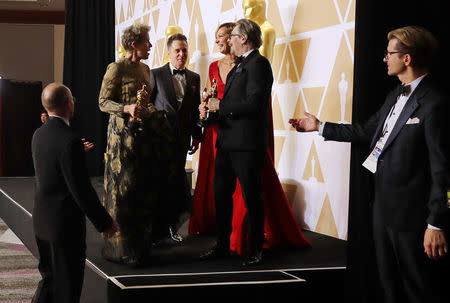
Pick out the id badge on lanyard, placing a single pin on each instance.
(371, 162)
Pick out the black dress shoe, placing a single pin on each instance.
(253, 259)
(216, 252)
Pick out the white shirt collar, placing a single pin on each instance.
(415, 83)
(247, 53)
(64, 119)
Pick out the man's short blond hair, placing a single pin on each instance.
(416, 41)
(55, 96)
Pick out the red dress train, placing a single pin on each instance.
(280, 225)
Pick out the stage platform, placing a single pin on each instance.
(317, 273)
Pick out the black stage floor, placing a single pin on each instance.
(315, 273)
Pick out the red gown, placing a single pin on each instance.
(280, 225)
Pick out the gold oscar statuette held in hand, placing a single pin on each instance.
(206, 118)
(214, 89)
(143, 98)
(204, 93)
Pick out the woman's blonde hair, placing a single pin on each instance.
(228, 26)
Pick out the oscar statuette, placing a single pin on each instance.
(210, 116)
(143, 98)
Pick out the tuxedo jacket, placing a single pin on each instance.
(243, 114)
(64, 194)
(411, 176)
(183, 119)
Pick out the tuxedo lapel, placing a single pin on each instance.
(229, 79)
(407, 111)
(188, 89)
(410, 107)
(168, 87)
(232, 73)
(392, 99)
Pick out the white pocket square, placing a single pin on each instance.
(414, 120)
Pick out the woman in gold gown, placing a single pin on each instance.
(140, 179)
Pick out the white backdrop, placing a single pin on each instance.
(313, 71)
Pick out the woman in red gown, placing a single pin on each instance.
(280, 226)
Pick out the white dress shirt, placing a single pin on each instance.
(179, 84)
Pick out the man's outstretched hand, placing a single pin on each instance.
(308, 124)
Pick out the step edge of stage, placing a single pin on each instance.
(232, 272)
(16, 203)
(230, 283)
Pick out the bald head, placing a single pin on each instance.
(57, 99)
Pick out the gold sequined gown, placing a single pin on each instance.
(141, 179)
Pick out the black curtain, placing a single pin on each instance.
(88, 49)
(374, 19)
(20, 116)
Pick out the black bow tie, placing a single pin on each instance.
(238, 60)
(179, 71)
(404, 90)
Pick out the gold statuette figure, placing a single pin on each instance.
(210, 115)
(255, 10)
(141, 110)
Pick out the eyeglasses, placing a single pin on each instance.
(387, 54)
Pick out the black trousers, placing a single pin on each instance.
(62, 270)
(406, 273)
(246, 166)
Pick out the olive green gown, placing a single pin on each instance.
(141, 180)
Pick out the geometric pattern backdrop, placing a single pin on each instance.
(313, 72)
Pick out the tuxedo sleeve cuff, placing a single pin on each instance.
(321, 127)
(433, 227)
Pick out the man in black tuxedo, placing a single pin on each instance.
(64, 197)
(242, 140)
(409, 165)
(176, 90)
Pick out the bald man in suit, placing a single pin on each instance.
(64, 197)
